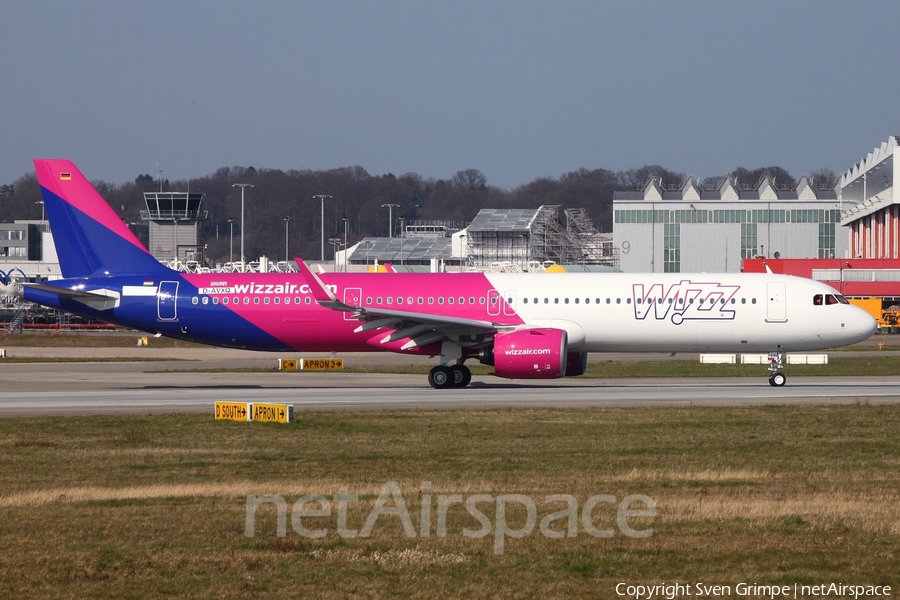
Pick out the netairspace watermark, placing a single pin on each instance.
(672, 591)
(566, 519)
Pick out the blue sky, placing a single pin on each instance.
(516, 89)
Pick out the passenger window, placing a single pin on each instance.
(627, 300)
(256, 300)
(421, 300)
(216, 300)
(308, 300)
(733, 300)
(296, 299)
(266, 301)
(618, 301)
(576, 300)
(246, 300)
(441, 300)
(409, 300)
(494, 300)
(225, 300)
(510, 300)
(556, 301)
(237, 300)
(205, 300)
(753, 301)
(471, 300)
(567, 300)
(287, 300)
(431, 301)
(277, 300)
(546, 300)
(450, 300)
(481, 300)
(368, 299)
(463, 300)
(390, 300)
(194, 300)
(399, 299)
(743, 301)
(524, 300)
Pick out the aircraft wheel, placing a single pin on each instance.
(440, 377)
(777, 379)
(461, 375)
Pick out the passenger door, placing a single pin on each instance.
(776, 304)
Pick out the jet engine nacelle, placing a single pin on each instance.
(576, 363)
(538, 353)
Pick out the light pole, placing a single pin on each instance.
(402, 230)
(286, 221)
(322, 198)
(41, 202)
(242, 186)
(390, 208)
(345, 220)
(368, 245)
(336, 242)
(231, 242)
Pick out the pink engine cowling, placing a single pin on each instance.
(538, 353)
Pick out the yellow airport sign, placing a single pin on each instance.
(273, 413)
(322, 364)
(233, 411)
(287, 364)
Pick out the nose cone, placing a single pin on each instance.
(862, 324)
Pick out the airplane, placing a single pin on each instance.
(526, 325)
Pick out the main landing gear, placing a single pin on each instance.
(776, 362)
(442, 377)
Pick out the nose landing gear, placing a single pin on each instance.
(776, 363)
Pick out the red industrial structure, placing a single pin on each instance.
(855, 277)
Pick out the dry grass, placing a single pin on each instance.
(156, 506)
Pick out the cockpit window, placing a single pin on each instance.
(817, 300)
(841, 299)
(830, 299)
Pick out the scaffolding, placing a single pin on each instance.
(518, 239)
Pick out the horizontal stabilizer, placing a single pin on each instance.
(101, 299)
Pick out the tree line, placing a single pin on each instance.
(359, 196)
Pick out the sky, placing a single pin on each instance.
(516, 89)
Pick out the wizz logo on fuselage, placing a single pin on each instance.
(684, 301)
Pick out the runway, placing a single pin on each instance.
(156, 387)
(370, 392)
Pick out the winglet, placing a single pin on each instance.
(320, 291)
(768, 270)
(316, 287)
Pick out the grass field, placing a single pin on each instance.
(149, 507)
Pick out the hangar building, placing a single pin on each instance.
(711, 228)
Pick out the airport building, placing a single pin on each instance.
(173, 219)
(712, 228)
(496, 240)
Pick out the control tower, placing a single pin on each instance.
(173, 219)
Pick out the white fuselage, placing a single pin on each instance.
(676, 312)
